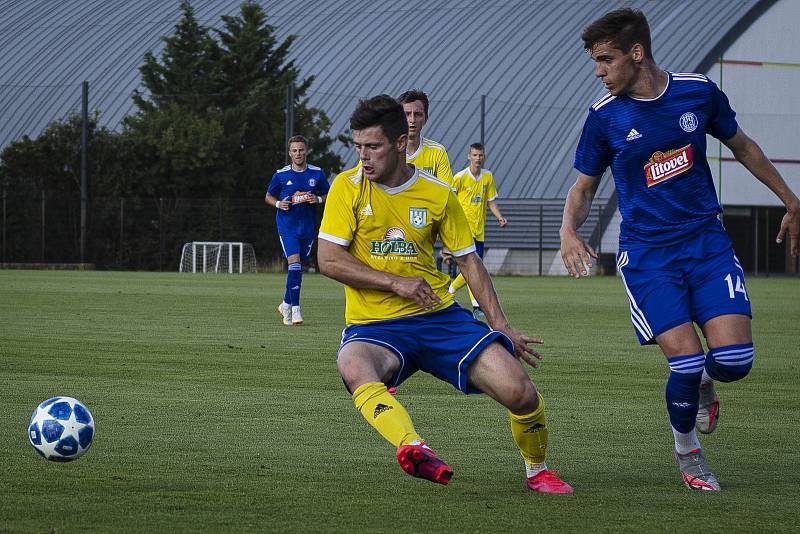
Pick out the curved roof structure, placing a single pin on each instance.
(526, 57)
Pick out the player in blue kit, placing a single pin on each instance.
(295, 191)
(675, 259)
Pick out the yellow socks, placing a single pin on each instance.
(383, 411)
(457, 283)
(530, 433)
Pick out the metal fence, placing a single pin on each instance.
(129, 233)
(140, 233)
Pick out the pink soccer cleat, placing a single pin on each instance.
(420, 461)
(547, 482)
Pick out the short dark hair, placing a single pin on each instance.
(415, 95)
(477, 146)
(297, 139)
(383, 111)
(621, 28)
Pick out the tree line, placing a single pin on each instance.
(209, 123)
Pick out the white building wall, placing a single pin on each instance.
(766, 101)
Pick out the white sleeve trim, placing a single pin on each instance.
(464, 251)
(334, 239)
(491, 199)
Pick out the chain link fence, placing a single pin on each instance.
(131, 233)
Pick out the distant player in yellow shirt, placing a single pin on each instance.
(475, 189)
(424, 153)
(376, 238)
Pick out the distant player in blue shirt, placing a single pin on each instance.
(295, 191)
(675, 259)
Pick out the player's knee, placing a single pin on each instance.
(349, 370)
(357, 368)
(730, 363)
(521, 397)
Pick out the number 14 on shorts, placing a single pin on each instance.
(738, 287)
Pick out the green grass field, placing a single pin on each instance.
(213, 416)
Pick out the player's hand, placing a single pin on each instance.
(417, 289)
(521, 348)
(502, 221)
(284, 204)
(577, 254)
(790, 224)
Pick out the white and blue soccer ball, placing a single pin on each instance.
(61, 429)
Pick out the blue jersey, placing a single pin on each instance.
(656, 149)
(301, 219)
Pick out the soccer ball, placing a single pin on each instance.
(61, 429)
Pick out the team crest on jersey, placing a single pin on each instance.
(418, 217)
(476, 199)
(312, 182)
(688, 122)
(393, 244)
(665, 165)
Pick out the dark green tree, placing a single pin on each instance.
(256, 71)
(212, 118)
(193, 161)
(178, 129)
(41, 178)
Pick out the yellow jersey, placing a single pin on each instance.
(432, 158)
(473, 193)
(394, 230)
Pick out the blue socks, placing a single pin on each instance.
(730, 363)
(294, 280)
(682, 390)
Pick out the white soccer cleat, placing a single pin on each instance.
(297, 319)
(695, 471)
(285, 311)
(708, 409)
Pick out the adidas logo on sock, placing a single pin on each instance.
(633, 134)
(379, 409)
(535, 428)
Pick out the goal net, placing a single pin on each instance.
(217, 257)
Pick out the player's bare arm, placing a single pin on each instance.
(502, 221)
(575, 251)
(336, 262)
(748, 153)
(478, 279)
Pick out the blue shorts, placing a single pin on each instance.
(479, 248)
(442, 343)
(296, 245)
(692, 281)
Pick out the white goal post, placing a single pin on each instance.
(217, 257)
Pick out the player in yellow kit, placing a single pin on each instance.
(422, 152)
(475, 189)
(376, 238)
